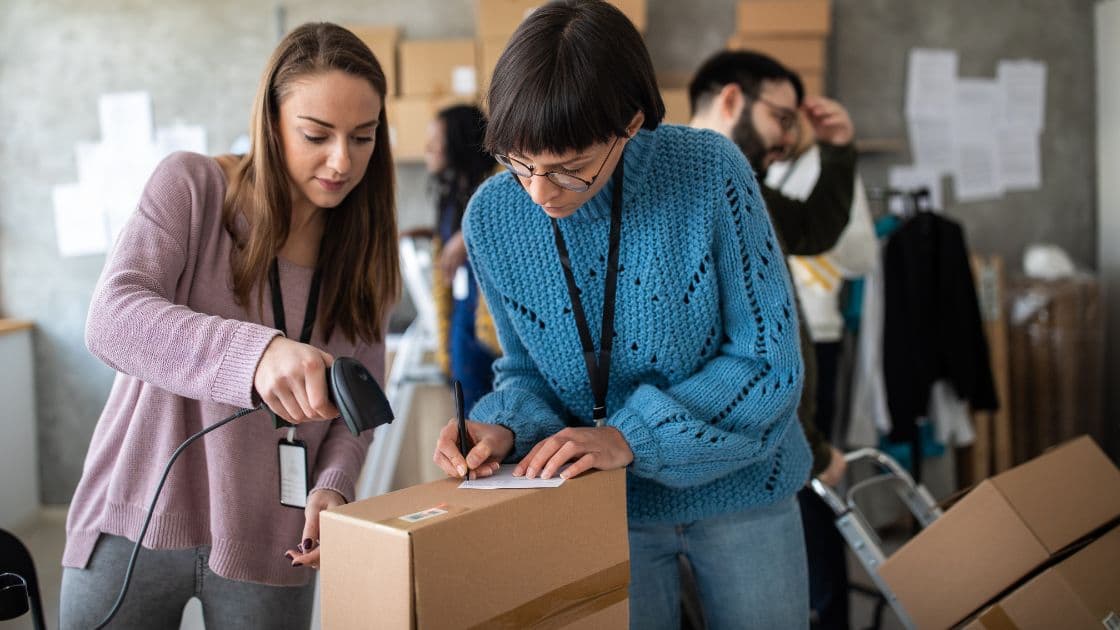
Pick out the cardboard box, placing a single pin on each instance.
(435, 556)
(409, 117)
(783, 17)
(803, 53)
(812, 81)
(382, 40)
(1001, 530)
(488, 52)
(438, 67)
(1082, 591)
(496, 19)
(677, 109)
(635, 10)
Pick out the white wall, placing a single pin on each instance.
(1108, 190)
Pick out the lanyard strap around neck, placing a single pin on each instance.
(278, 318)
(598, 370)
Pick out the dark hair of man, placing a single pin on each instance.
(744, 68)
(468, 164)
(573, 74)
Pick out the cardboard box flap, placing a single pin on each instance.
(539, 578)
(966, 558)
(1065, 493)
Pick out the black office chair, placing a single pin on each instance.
(19, 586)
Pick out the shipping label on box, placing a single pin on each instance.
(382, 40)
(438, 67)
(783, 17)
(437, 556)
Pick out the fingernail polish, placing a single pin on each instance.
(308, 544)
(297, 564)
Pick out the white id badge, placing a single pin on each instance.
(293, 473)
(461, 285)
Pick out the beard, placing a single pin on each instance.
(750, 143)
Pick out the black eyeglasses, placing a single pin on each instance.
(566, 181)
(787, 118)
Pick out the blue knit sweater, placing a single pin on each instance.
(706, 372)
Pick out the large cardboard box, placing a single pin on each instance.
(409, 117)
(1082, 591)
(783, 17)
(1001, 530)
(812, 81)
(382, 40)
(438, 67)
(635, 10)
(436, 556)
(802, 53)
(677, 109)
(496, 19)
(488, 52)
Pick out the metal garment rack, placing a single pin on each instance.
(410, 366)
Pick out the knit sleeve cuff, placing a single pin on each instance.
(334, 479)
(647, 457)
(233, 384)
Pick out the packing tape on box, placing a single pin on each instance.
(569, 603)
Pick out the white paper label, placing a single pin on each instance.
(461, 284)
(463, 80)
(423, 515)
(293, 475)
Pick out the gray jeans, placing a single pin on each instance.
(162, 583)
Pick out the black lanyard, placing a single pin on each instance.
(278, 318)
(598, 371)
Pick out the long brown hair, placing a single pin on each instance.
(358, 256)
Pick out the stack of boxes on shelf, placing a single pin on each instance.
(440, 72)
(795, 32)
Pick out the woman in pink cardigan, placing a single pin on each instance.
(236, 282)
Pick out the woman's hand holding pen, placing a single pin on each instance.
(492, 443)
(602, 448)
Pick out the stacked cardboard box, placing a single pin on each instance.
(438, 556)
(496, 20)
(792, 31)
(382, 40)
(1056, 356)
(433, 74)
(1006, 529)
(1082, 591)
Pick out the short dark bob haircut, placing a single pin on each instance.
(573, 74)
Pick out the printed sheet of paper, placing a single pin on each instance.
(931, 79)
(504, 479)
(933, 143)
(1023, 87)
(79, 224)
(180, 137)
(126, 118)
(977, 172)
(1020, 162)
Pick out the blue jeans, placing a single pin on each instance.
(750, 570)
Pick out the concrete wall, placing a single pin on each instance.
(200, 61)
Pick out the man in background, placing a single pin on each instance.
(760, 105)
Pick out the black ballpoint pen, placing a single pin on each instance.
(465, 443)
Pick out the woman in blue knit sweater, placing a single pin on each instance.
(692, 380)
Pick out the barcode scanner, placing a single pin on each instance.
(360, 401)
